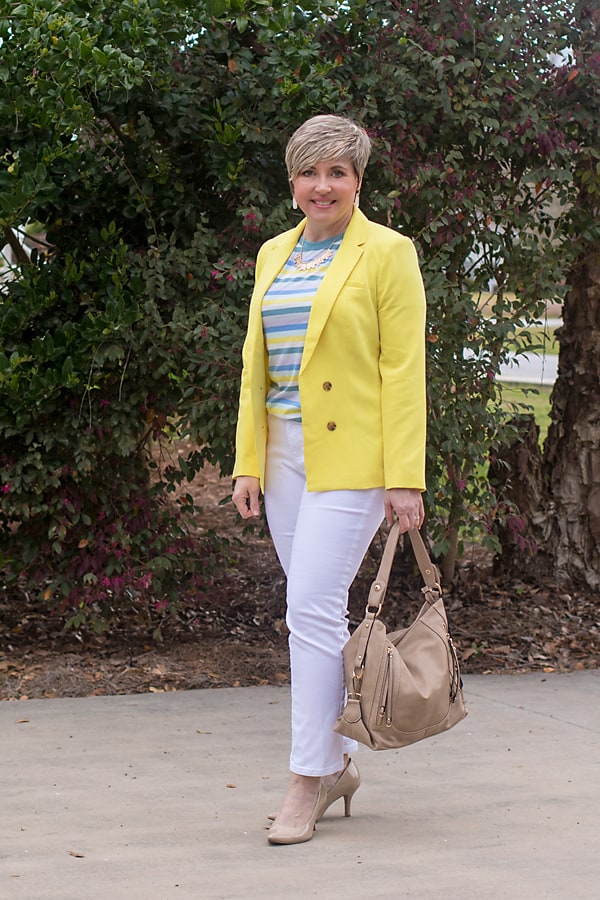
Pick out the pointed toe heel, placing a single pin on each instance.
(346, 786)
(284, 834)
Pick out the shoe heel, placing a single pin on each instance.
(346, 786)
(347, 802)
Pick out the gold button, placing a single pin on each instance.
(331, 426)
(327, 385)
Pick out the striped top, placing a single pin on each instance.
(285, 312)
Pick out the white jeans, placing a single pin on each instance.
(320, 539)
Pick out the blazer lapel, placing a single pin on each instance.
(275, 257)
(271, 263)
(336, 276)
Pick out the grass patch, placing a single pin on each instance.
(538, 398)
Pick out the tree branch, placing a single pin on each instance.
(20, 254)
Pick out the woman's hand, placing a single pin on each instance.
(245, 496)
(407, 504)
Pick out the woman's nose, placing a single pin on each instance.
(323, 184)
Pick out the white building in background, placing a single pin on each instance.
(31, 237)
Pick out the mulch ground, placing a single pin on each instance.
(240, 638)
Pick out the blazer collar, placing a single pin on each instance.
(351, 249)
(337, 274)
(276, 252)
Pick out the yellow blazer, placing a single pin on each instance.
(362, 377)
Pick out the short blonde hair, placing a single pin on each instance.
(327, 137)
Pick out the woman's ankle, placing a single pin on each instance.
(300, 798)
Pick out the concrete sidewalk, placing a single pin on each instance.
(165, 796)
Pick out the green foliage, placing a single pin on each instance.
(523, 398)
(148, 137)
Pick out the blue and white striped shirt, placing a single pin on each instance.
(285, 313)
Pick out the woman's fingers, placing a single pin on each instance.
(245, 496)
(405, 504)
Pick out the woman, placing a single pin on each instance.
(331, 428)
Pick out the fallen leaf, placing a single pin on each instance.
(231, 785)
(77, 855)
(22, 721)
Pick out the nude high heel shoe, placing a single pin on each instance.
(286, 834)
(346, 786)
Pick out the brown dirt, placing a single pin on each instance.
(498, 627)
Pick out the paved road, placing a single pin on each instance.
(530, 369)
(164, 797)
(533, 368)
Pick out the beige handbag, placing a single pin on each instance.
(406, 685)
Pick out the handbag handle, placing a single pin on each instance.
(429, 572)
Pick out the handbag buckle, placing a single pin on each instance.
(356, 694)
(376, 588)
(373, 610)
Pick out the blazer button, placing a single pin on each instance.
(327, 385)
(331, 426)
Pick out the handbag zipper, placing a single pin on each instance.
(385, 699)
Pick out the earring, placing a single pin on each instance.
(357, 199)
(294, 203)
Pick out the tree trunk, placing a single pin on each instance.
(572, 451)
(515, 475)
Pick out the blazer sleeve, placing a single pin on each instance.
(401, 314)
(251, 421)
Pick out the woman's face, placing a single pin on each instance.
(325, 193)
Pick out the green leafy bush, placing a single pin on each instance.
(149, 138)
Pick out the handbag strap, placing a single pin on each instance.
(432, 591)
(429, 572)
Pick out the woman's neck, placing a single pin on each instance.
(314, 233)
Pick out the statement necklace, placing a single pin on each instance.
(315, 262)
